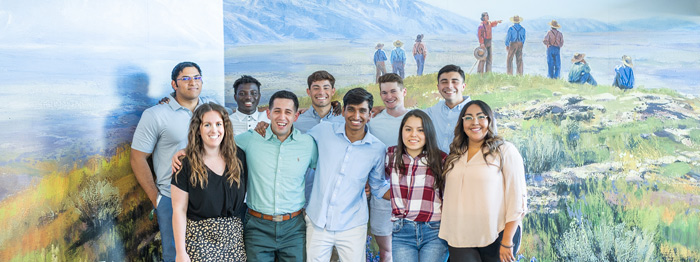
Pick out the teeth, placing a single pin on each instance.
(248, 103)
(214, 137)
(282, 124)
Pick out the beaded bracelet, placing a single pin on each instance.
(511, 246)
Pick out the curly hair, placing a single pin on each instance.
(227, 149)
(460, 144)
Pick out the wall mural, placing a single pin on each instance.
(77, 76)
(613, 175)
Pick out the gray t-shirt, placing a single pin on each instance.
(386, 128)
(162, 131)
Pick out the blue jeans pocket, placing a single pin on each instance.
(433, 225)
(398, 225)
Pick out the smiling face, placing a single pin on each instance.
(413, 136)
(476, 124)
(190, 89)
(321, 93)
(212, 129)
(282, 115)
(247, 97)
(356, 116)
(392, 94)
(451, 85)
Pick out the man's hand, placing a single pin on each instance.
(337, 109)
(176, 163)
(499, 21)
(261, 128)
(376, 110)
(367, 191)
(263, 108)
(164, 100)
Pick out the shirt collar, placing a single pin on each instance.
(240, 116)
(317, 116)
(465, 100)
(340, 129)
(174, 105)
(269, 135)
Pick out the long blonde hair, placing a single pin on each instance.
(227, 148)
(460, 144)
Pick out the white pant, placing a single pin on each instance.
(349, 243)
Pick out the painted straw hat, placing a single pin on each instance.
(578, 57)
(480, 53)
(516, 19)
(379, 46)
(554, 24)
(627, 60)
(398, 43)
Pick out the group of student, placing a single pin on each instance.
(440, 182)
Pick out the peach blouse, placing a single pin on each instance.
(480, 199)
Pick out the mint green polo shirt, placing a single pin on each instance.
(276, 170)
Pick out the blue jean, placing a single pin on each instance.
(553, 62)
(420, 62)
(164, 211)
(397, 68)
(417, 241)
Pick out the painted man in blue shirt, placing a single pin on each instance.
(337, 212)
(624, 76)
(446, 112)
(580, 71)
(514, 44)
(277, 163)
(379, 58)
(161, 131)
(398, 59)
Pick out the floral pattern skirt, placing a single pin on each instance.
(215, 239)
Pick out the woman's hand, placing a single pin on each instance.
(506, 254)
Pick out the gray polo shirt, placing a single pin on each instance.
(162, 131)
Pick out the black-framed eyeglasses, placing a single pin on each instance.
(188, 78)
(478, 118)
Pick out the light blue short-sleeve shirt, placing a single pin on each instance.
(277, 170)
(338, 200)
(445, 120)
(162, 131)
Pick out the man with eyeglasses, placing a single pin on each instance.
(247, 95)
(161, 131)
(446, 112)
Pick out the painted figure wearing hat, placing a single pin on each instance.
(485, 41)
(379, 58)
(514, 44)
(624, 76)
(580, 71)
(554, 40)
(419, 53)
(398, 58)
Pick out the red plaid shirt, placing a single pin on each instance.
(412, 195)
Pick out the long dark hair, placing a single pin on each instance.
(430, 149)
(460, 144)
(227, 149)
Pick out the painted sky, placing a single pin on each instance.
(605, 10)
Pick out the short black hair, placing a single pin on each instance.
(181, 66)
(245, 79)
(286, 95)
(356, 96)
(450, 68)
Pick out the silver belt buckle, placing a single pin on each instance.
(277, 218)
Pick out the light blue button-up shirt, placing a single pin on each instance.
(338, 200)
(277, 170)
(310, 118)
(444, 120)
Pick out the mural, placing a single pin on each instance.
(613, 175)
(77, 75)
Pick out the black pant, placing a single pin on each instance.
(488, 253)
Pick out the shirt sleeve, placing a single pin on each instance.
(377, 179)
(314, 155)
(181, 179)
(481, 34)
(146, 133)
(514, 181)
(243, 139)
(509, 35)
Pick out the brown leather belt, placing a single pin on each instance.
(275, 218)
